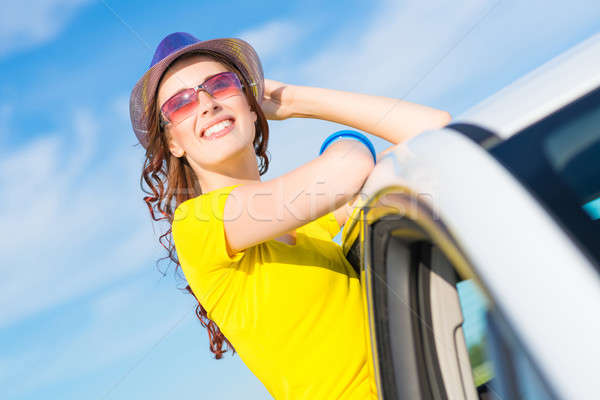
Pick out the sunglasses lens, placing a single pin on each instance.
(180, 106)
(223, 85)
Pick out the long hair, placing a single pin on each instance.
(171, 181)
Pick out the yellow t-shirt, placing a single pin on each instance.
(294, 313)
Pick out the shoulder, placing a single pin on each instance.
(202, 208)
(198, 231)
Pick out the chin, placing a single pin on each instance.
(222, 156)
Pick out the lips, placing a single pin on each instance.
(216, 121)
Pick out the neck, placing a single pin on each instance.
(240, 169)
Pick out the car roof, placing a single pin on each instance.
(544, 90)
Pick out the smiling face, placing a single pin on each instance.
(207, 148)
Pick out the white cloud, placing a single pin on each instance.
(382, 55)
(125, 323)
(388, 54)
(27, 23)
(274, 37)
(37, 183)
(445, 55)
(73, 225)
(86, 131)
(120, 107)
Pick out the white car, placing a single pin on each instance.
(478, 246)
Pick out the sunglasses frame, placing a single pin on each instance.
(164, 121)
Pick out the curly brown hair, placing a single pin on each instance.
(171, 181)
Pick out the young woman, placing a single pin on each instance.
(259, 256)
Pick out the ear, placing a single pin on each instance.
(175, 149)
(254, 116)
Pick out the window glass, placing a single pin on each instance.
(593, 208)
(572, 146)
(529, 385)
(499, 364)
(558, 160)
(474, 306)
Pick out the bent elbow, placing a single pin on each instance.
(444, 119)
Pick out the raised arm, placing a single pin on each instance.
(391, 119)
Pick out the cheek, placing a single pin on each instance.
(245, 113)
(183, 132)
(180, 138)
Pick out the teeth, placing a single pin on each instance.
(217, 127)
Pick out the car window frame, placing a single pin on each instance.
(364, 257)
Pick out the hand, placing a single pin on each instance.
(277, 100)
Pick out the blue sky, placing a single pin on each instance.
(85, 311)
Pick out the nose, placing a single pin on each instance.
(206, 103)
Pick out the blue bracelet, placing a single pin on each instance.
(351, 134)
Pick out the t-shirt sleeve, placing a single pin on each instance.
(329, 223)
(199, 235)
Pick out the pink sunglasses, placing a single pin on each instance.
(183, 103)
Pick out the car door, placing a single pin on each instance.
(435, 333)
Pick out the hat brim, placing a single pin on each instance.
(241, 53)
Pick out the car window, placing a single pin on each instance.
(572, 146)
(558, 160)
(500, 366)
(474, 305)
(436, 334)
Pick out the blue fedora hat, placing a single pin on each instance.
(241, 54)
